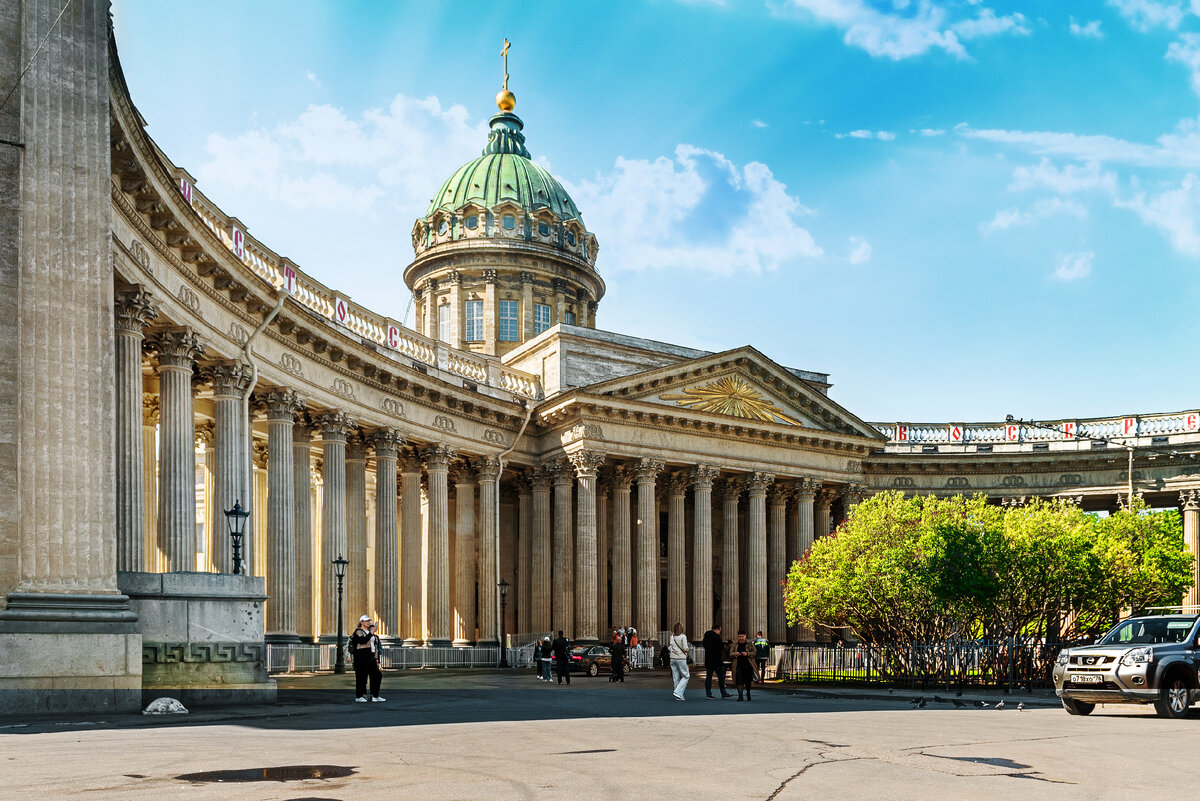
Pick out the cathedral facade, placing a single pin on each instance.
(162, 364)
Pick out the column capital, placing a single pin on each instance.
(460, 471)
(177, 347)
(732, 487)
(206, 433)
(356, 447)
(1189, 500)
(522, 483)
(487, 468)
(676, 483)
(334, 425)
(539, 479)
(388, 442)
(622, 477)
(757, 483)
(559, 472)
(806, 489)
(438, 456)
(229, 379)
(408, 460)
(586, 463)
(647, 470)
(260, 455)
(489, 276)
(703, 475)
(780, 492)
(150, 409)
(134, 309)
(854, 493)
(281, 404)
(302, 429)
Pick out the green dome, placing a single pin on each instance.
(505, 172)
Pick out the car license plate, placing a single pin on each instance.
(1087, 678)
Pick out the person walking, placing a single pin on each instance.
(617, 651)
(562, 657)
(677, 650)
(764, 649)
(366, 663)
(744, 668)
(544, 660)
(537, 659)
(714, 661)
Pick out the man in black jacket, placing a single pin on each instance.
(714, 661)
(562, 657)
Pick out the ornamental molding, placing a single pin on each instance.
(291, 365)
(166, 653)
(732, 396)
(393, 407)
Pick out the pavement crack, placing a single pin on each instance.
(804, 770)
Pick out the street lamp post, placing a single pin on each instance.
(339, 570)
(503, 585)
(235, 518)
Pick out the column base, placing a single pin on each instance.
(439, 643)
(492, 643)
(63, 612)
(413, 642)
(462, 643)
(283, 639)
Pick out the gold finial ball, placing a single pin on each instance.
(506, 100)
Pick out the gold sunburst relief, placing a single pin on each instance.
(731, 396)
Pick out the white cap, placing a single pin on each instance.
(364, 617)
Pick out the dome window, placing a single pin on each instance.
(543, 229)
(571, 238)
(473, 221)
(509, 222)
(443, 228)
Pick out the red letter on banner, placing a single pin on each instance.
(340, 310)
(1129, 426)
(289, 279)
(901, 433)
(1069, 430)
(393, 338)
(186, 190)
(1012, 433)
(1192, 421)
(239, 243)
(956, 433)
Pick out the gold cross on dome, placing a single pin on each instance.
(504, 53)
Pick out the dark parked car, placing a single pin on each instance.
(591, 659)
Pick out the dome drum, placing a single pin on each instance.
(506, 220)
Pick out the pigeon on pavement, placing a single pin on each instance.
(979, 704)
(1020, 705)
(1000, 704)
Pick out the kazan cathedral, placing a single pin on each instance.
(508, 466)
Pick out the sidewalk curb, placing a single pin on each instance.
(902, 697)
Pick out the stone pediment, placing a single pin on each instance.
(740, 383)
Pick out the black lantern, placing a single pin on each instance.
(339, 570)
(235, 518)
(503, 585)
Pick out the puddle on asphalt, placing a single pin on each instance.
(284, 773)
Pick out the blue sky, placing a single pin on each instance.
(960, 210)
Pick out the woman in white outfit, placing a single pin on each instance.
(677, 649)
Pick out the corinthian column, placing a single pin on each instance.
(488, 471)
(154, 557)
(387, 582)
(134, 309)
(281, 407)
(647, 549)
(1189, 503)
(177, 351)
(229, 381)
(435, 599)
(410, 551)
(563, 609)
(731, 609)
(702, 557)
(357, 594)
(677, 484)
(821, 512)
(524, 534)
(302, 490)
(587, 626)
(603, 490)
(756, 551)
(539, 554)
(806, 493)
(622, 549)
(777, 562)
(463, 619)
(334, 427)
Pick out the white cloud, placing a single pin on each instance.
(860, 250)
(909, 28)
(1048, 207)
(697, 211)
(931, 131)
(862, 133)
(1147, 14)
(1068, 180)
(1089, 30)
(1074, 266)
(1174, 212)
(325, 158)
(1178, 149)
(1187, 52)
(758, 124)
(312, 78)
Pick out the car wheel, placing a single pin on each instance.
(1074, 707)
(1174, 698)
(593, 670)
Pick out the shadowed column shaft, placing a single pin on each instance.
(387, 562)
(730, 564)
(281, 515)
(622, 550)
(756, 553)
(647, 576)
(177, 352)
(540, 554)
(410, 552)
(302, 491)
(563, 610)
(356, 528)
(776, 563)
(464, 559)
(702, 556)
(334, 428)
(488, 470)
(134, 309)
(435, 598)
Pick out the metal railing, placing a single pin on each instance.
(1137, 430)
(947, 665)
(314, 658)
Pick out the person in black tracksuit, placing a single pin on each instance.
(714, 661)
(562, 657)
(617, 649)
(364, 647)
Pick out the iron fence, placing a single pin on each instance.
(950, 665)
(314, 658)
